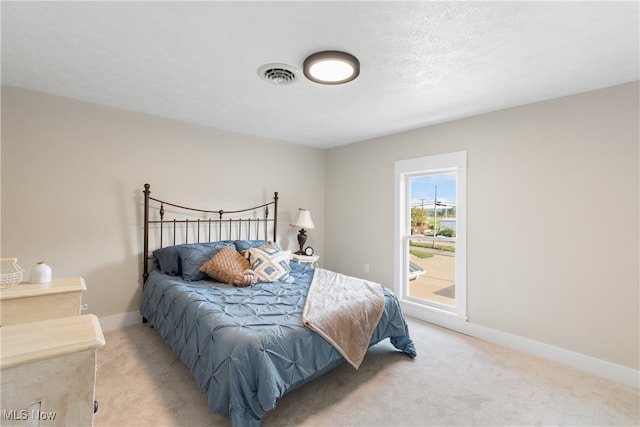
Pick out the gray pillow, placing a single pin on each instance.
(193, 256)
(243, 245)
(167, 260)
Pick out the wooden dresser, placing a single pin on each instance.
(48, 355)
(29, 302)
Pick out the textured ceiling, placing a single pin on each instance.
(421, 62)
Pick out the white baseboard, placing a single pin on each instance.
(118, 321)
(592, 365)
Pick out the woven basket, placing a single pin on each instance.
(10, 272)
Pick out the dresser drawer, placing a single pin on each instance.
(49, 368)
(26, 302)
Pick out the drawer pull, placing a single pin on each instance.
(83, 307)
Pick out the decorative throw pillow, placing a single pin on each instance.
(270, 264)
(225, 266)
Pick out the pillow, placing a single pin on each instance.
(192, 256)
(243, 245)
(270, 265)
(167, 260)
(225, 266)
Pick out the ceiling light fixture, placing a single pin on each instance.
(331, 67)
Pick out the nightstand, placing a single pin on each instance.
(306, 259)
(28, 302)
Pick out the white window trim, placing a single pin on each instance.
(403, 170)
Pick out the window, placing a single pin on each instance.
(430, 237)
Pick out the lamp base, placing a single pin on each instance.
(302, 238)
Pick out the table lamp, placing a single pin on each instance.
(303, 221)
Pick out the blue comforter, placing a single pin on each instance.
(247, 347)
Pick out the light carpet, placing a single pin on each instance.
(456, 380)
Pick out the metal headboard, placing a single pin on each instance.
(191, 225)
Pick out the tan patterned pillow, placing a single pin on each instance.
(270, 264)
(225, 266)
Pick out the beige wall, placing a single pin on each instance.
(73, 174)
(558, 262)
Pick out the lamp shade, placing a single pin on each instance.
(304, 220)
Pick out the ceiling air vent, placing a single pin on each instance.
(279, 74)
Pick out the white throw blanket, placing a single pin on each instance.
(345, 311)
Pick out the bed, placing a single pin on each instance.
(245, 344)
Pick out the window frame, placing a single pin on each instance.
(404, 170)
